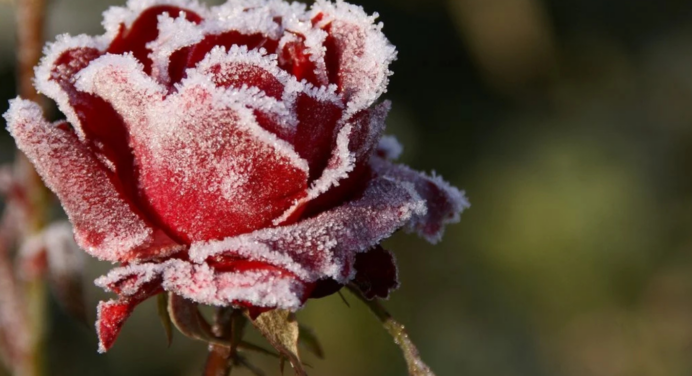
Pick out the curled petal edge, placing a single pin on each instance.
(106, 224)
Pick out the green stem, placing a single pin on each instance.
(416, 366)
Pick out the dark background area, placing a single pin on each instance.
(569, 125)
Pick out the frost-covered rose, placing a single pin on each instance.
(231, 155)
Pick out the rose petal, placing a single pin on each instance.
(325, 245)
(347, 171)
(202, 136)
(237, 282)
(376, 273)
(181, 44)
(301, 54)
(188, 57)
(144, 29)
(95, 121)
(239, 68)
(111, 317)
(357, 53)
(316, 133)
(445, 202)
(105, 223)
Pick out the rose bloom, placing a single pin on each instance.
(231, 155)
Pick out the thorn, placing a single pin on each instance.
(343, 298)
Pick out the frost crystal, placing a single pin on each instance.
(232, 155)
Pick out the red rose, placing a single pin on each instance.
(230, 155)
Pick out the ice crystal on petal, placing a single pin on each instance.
(106, 224)
(445, 202)
(232, 155)
(324, 246)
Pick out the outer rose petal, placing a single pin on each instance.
(357, 53)
(110, 318)
(105, 223)
(376, 276)
(325, 245)
(445, 202)
(235, 282)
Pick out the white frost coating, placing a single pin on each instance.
(43, 72)
(325, 245)
(277, 8)
(218, 57)
(203, 284)
(344, 156)
(446, 202)
(113, 17)
(246, 20)
(240, 101)
(261, 288)
(226, 66)
(105, 225)
(120, 79)
(135, 277)
(390, 147)
(341, 162)
(152, 119)
(174, 34)
(314, 39)
(365, 72)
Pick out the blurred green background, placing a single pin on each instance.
(569, 125)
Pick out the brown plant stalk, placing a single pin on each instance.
(23, 305)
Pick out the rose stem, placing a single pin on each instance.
(416, 366)
(30, 16)
(219, 358)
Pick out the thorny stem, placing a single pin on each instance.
(416, 366)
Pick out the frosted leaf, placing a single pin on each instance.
(105, 223)
(445, 202)
(357, 53)
(325, 245)
(389, 148)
